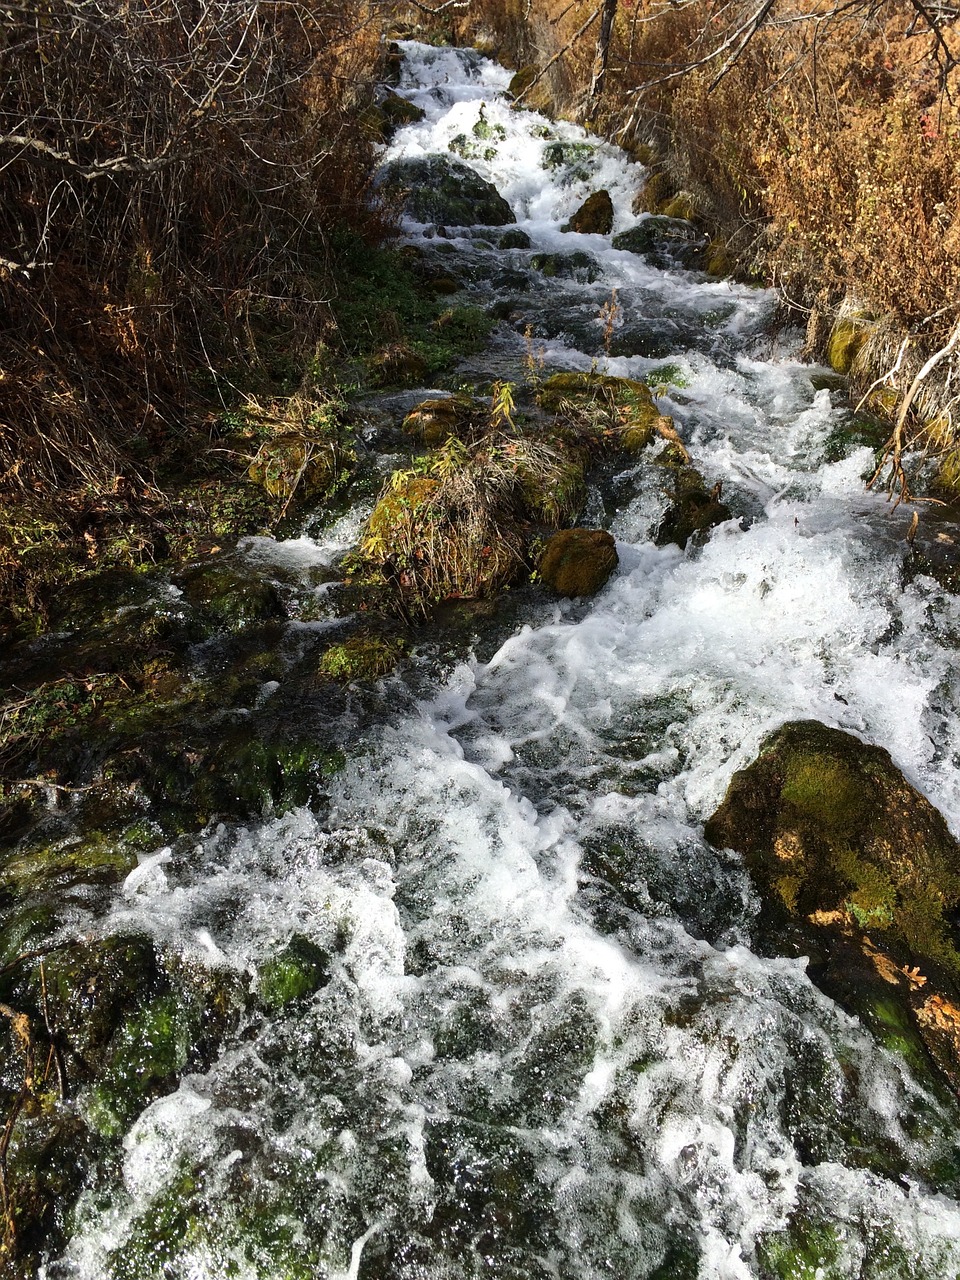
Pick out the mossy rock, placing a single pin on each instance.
(576, 159)
(400, 111)
(442, 190)
(594, 217)
(694, 508)
(632, 398)
(227, 596)
(521, 80)
(577, 562)
(296, 464)
(515, 238)
(567, 266)
(682, 205)
(299, 970)
(397, 365)
(846, 341)
(718, 260)
(392, 509)
(862, 867)
(664, 242)
(432, 421)
(362, 657)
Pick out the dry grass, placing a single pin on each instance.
(169, 175)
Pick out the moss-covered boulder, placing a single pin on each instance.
(299, 970)
(296, 464)
(226, 595)
(848, 336)
(694, 508)
(664, 242)
(859, 870)
(442, 190)
(594, 217)
(567, 266)
(577, 562)
(432, 421)
(521, 80)
(400, 111)
(515, 238)
(628, 403)
(361, 657)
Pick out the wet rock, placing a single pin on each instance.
(442, 190)
(362, 657)
(576, 159)
(859, 870)
(594, 217)
(299, 970)
(432, 421)
(694, 508)
(664, 242)
(515, 239)
(521, 80)
(400, 111)
(577, 562)
(227, 596)
(567, 266)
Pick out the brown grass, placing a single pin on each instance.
(170, 172)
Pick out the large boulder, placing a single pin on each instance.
(664, 242)
(442, 190)
(859, 871)
(577, 562)
(594, 217)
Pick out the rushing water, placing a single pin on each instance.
(545, 1047)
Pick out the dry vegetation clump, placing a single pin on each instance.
(171, 176)
(461, 522)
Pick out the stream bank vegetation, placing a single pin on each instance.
(818, 145)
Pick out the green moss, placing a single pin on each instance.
(299, 970)
(805, 1251)
(826, 791)
(846, 340)
(522, 80)
(146, 1057)
(577, 562)
(681, 205)
(362, 657)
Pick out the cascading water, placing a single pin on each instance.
(544, 1046)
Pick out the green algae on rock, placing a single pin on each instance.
(594, 217)
(515, 238)
(577, 562)
(862, 869)
(442, 190)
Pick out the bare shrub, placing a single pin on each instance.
(169, 172)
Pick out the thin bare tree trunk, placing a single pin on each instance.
(603, 47)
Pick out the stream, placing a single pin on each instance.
(544, 1046)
